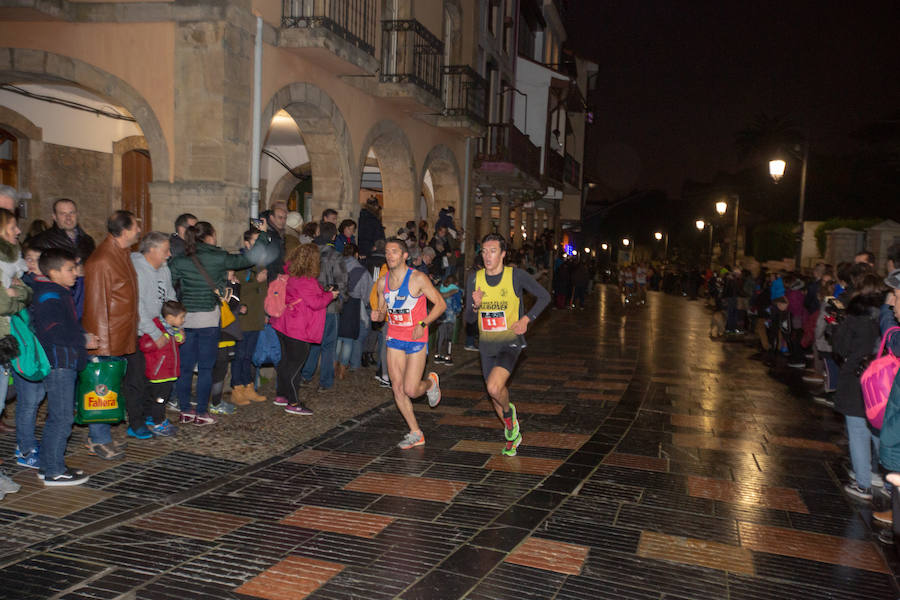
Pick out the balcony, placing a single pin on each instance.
(338, 34)
(412, 61)
(465, 100)
(507, 159)
(572, 172)
(556, 165)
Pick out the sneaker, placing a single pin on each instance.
(142, 433)
(31, 461)
(434, 392)
(511, 430)
(858, 492)
(884, 517)
(324, 390)
(8, 486)
(448, 361)
(886, 536)
(67, 478)
(297, 410)
(797, 365)
(411, 440)
(438, 359)
(471, 348)
(205, 419)
(510, 449)
(188, 416)
(383, 381)
(37, 448)
(280, 401)
(877, 480)
(164, 429)
(104, 451)
(813, 378)
(825, 399)
(173, 404)
(223, 408)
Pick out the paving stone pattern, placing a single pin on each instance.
(656, 464)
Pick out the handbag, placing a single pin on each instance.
(227, 320)
(877, 379)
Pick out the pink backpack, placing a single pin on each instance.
(877, 379)
(275, 303)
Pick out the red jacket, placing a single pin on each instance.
(304, 315)
(163, 364)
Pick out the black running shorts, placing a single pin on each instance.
(498, 356)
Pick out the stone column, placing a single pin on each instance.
(517, 227)
(504, 217)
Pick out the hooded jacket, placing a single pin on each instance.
(303, 320)
(162, 364)
(369, 230)
(855, 339)
(154, 288)
(56, 325)
(332, 272)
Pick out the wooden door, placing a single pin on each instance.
(137, 173)
(8, 159)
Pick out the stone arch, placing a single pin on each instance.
(398, 172)
(24, 64)
(445, 180)
(282, 189)
(26, 133)
(327, 140)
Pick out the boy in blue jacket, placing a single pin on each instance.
(57, 328)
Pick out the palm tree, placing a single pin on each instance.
(768, 136)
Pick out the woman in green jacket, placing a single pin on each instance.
(203, 268)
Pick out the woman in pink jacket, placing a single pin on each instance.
(301, 324)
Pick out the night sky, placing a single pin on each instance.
(679, 78)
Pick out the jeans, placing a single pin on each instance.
(60, 385)
(200, 348)
(326, 351)
(831, 371)
(242, 367)
(224, 356)
(294, 355)
(862, 442)
(29, 395)
(4, 388)
(349, 350)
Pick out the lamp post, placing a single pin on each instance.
(659, 235)
(722, 208)
(776, 171)
(701, 224)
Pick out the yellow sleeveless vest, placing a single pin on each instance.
(499, 307)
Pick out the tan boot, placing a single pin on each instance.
(239, 396)
(252, 394)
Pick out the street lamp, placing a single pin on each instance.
(626, 241)
(587, 250)
(776, 171)
(722, 208)
(700, 223)
(659, 236)
(604, 246)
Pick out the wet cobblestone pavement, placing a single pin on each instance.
(656, 463)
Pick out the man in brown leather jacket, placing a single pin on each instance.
(111, 310)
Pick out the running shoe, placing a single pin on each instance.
(280, 401)
(297, 410)
(885, 516)
(223, 408)
(29, 461)
(434, 392)
(511, 423)
(411, 440)
(438, 359)
(471, 348)
(383, 381)
(857, 492)
(188, 416)
(797, 365)
(205, 419)
(7, 485)
(172, 404)
(510, 449)
(37, 448)
(164, 429)
(448, 360)
(142, 433)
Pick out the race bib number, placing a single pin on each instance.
(493, 321)
(401, 317)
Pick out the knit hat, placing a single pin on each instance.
(294, 220)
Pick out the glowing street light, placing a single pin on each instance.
(700, 223)
(721, 207)
(604, 246)
(626, 241)
(587, 250)
(776, 169)
(658, 235)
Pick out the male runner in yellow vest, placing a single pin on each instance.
(496, 304)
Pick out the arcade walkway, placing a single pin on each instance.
(656, 463)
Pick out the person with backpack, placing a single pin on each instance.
(300, 322)
(854, 340)
(250, 290)
(355, 314)
(15, 295)
(200, 275)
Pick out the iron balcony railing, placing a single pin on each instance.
(353, 20)
(465, 93)
(572, 171)
(505, 143)
(411, 54)
(556, 165)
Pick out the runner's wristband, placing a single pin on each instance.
(423, 324)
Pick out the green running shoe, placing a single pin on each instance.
(510, 449)
(511, 432)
